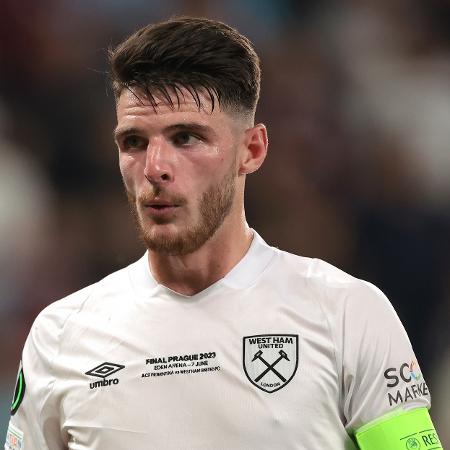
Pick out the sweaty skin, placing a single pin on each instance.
(184, 171)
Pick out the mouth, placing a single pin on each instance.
(160, 208)
(161, 205)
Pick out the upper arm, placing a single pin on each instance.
(380, 372)
(385, 398)
(34, 419)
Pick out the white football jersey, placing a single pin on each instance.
(284, 352)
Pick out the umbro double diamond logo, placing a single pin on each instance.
(103, 371)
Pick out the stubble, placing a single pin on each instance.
(214, 206)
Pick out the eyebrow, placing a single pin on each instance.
(191, 126)
(184, 126)
(125, 131)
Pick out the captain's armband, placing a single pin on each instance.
(401, 430)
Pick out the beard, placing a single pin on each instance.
(214, 206)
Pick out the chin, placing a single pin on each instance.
(160, 231)
(166, 240)
(171, 241)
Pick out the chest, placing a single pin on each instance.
(240, 377)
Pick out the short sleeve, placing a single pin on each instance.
(34, 423)
(380, 372)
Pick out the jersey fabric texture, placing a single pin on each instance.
(283, 352)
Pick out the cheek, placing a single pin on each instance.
(129, 168)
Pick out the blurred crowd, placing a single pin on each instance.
(356, 97)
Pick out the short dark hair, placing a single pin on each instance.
(197, 54)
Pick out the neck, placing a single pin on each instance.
(192, 273)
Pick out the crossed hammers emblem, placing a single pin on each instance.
(270, 367)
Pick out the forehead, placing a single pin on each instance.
(135, 104)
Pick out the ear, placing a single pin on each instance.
(255, 149)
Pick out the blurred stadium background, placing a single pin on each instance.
(356, 97)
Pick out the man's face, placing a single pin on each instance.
(179, 167)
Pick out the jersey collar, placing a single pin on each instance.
(241, 276)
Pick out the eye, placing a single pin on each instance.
(134, 142)
(185, 138)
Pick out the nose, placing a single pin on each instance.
(158, 163)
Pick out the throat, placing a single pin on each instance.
(187, 281)
(193, 273)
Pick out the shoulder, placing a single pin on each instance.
(58, 329)
(315, 270)
(336, 290)
(51, 321)
(359, 315)
(347, 301)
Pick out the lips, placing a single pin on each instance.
(161, 205)
(160, 209)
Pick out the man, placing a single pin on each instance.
(213, 339)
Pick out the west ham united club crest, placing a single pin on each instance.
(270, 360)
